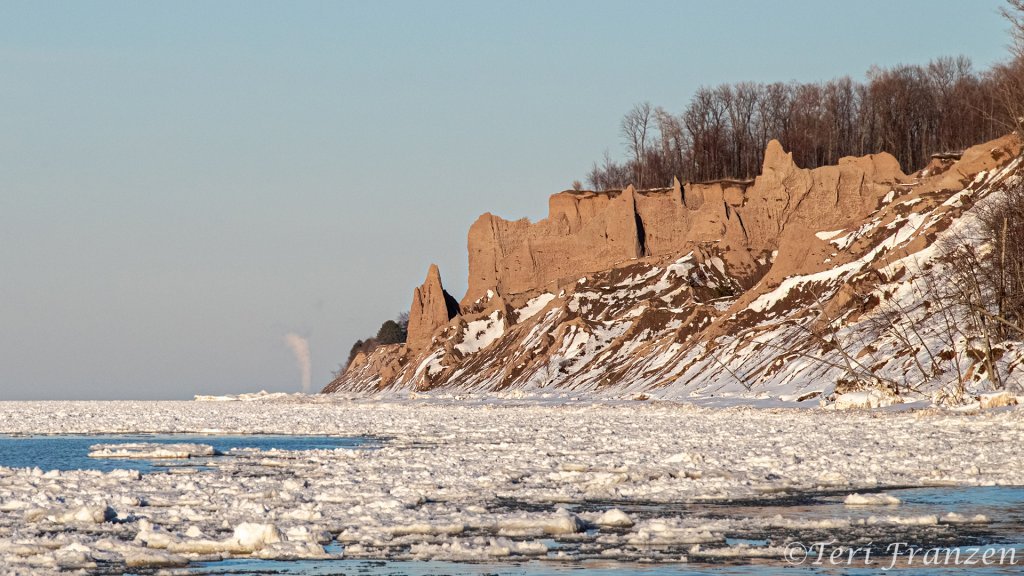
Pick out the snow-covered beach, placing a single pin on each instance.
(489, 481)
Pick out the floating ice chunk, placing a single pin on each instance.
(954, 518)
(468, 550)
(664, 531)
(144, 558)
(252, 536)
(871, 500)
(304, 514)
(614, 517)
(292, 551)
(23, 549)
(561, 522)
(195, 545)
(248, 537)
(428, 528)
(743, 550)
(685, 457)
(149, 450)
(74, 556)
(924, 520)
(13, 505)
(832, 478)
(95, 514)
(532, 548)
(305, 534)
(88, 514)
(153, 536)
(807, 523)
(124, 474)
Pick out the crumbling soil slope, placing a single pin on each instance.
(774, 286)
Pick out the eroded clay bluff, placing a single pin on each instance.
(432, 307)
(591, 231)
(648, 289)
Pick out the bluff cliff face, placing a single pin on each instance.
(587, 232)
(688, 289)
(432, 307)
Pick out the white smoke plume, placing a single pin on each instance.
(300, 347)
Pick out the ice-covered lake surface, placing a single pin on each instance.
(1003, 529)
(502, 487)
(71, 452)
(595, 568)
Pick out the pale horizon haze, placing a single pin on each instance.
(183, 184)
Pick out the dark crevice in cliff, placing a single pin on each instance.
(641, 235)
(451, 304)
(746, 237)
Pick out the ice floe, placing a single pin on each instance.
(483, 481)
(871, 500)
(149, 451)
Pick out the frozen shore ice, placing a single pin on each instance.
(480, 481)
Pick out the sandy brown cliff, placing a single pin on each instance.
(590, 231)
(643, 289)
(432, 307)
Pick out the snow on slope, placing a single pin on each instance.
(684, 326)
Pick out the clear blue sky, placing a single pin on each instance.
(182, 183)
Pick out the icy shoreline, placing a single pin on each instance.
(477, 482)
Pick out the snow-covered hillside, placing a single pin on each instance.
(801, 312)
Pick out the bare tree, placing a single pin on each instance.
(967, 288)
(1009, 77)
(673, 144)
(985, 266)
(1013, 12)
(610, 175)
(1002, 224)
(635, 127)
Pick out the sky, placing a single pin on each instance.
(183, 184)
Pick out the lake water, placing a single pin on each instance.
(72, 452)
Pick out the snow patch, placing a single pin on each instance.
(480, 334)
(533, 306)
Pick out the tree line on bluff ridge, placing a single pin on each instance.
(910, 111)
(390, 332)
